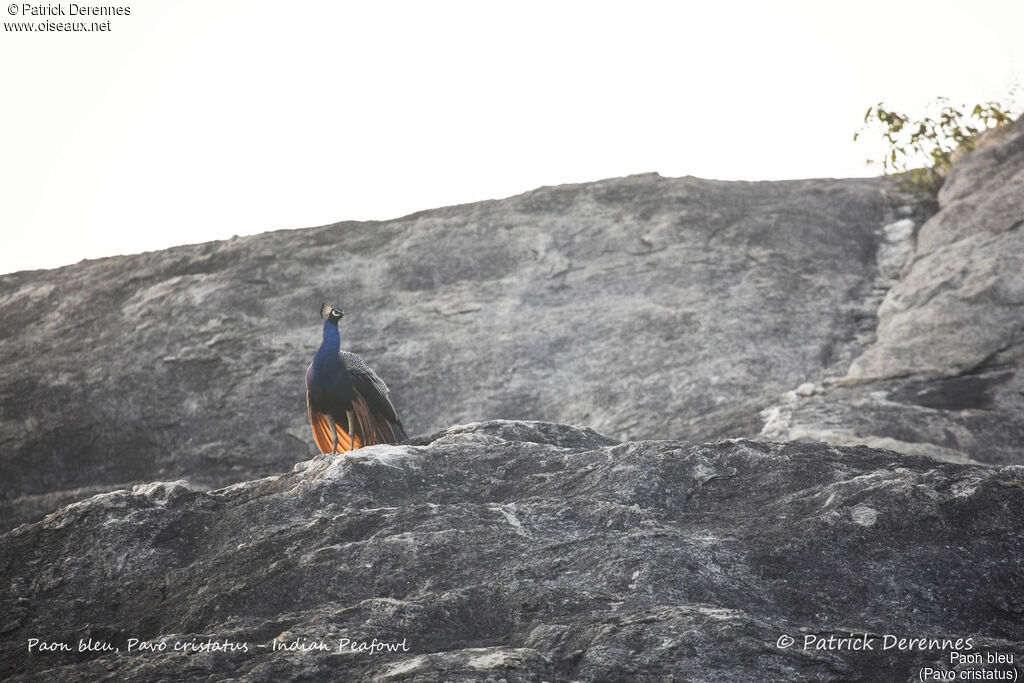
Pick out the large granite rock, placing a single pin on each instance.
(524, 551)
(942, 377)
(643, 307)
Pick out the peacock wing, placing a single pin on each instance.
(370, 386)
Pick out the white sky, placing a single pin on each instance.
(194, 120)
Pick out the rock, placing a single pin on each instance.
(529, 551)
(942, 376)
(644, 307)
(982, 193)
(958, 304)
(955, 310)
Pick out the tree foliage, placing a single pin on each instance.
(921, 150)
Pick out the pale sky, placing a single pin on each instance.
(194, 120)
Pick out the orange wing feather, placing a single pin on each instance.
(368, 430)
(345, 443)
(322, 431)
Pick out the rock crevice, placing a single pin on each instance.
(941, 376)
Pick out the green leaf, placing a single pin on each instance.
(931, 139)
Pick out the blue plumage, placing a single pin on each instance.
(349, 405)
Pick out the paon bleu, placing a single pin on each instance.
(349, 405)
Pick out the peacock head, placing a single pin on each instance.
(331, 313)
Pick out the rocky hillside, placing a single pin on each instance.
(643, 307)
(804, 326)
(524, 551)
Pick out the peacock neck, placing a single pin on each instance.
(329, 383)
(330, 347)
